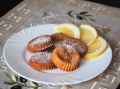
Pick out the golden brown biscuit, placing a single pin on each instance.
(40, 43)
(66, 58)
(58, 37)
(41, 61)
(77, 44)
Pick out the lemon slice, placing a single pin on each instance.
(97, 48)
(69, 29)
(88, 34)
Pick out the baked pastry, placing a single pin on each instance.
(40, 43)
(41, 61)
(77, 44)
(58, 37)
(66, 58)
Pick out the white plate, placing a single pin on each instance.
(15, 51)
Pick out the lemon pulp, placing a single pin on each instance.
(69, 29)
(96, 49)
(66, 31)
(97, 44)
(86, 36)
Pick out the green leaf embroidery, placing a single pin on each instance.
(85, 18)
(8, 75)
(89, 18)
(33, 88)
(14, 78)
(92, 19)
(34, 84)
(83, 12)
(36, 88)
(9, 82)
(72, 14)
(88, 15)
(11, 77)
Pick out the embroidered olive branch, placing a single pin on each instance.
(85, 16)
(19, 82)
(81, 15)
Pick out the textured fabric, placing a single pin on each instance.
(107, 25)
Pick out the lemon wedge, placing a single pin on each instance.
(69, 29)
(97, 48)
(88, 34)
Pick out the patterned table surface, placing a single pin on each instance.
(30, 13)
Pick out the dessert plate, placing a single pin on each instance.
(16, 57)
